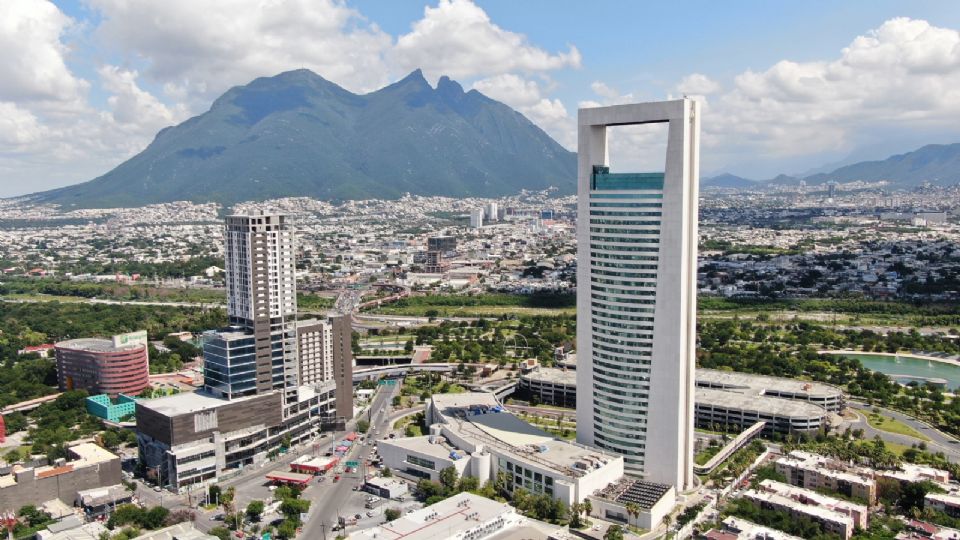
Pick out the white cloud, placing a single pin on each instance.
(609, 95)
(33, 66)
(130, 104)
(18, 127)
(904, 75)
(458, 39)
(202, 52)
(698, 84)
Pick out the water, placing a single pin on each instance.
(913, 367)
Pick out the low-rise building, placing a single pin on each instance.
(551, 386)
(724, 400)
(943, 502)
(725, 410)
(387, 488)
(112, 410)
(911, 472)
(464, 516)
(816, 472)
(90, 467)
(823, 395)
(474, 434)
(833, 515)
(735, 528)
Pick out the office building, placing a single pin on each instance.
(443, 244)
(120, 365)
(261, 302)
(636, 299)
(315, 351)
(191, 439)
(490, 213)
(476, 218)
(472, 433)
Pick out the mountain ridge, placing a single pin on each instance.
(938, 164)
(298, 134)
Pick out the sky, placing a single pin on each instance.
(786, 87)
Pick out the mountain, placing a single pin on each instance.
(938, 164)
(729, 181)
(297, 134)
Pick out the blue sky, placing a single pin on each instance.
(787, 86)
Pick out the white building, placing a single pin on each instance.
(476, 218)
(472, 433)
(636, 303)
(464, 516)
(314, 351)
(491, 211)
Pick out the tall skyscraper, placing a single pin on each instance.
(636, 294)
(343, 365)
(260, 355)
(476, 218)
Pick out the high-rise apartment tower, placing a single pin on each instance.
(261, 355)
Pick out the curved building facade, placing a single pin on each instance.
(103, 366)
(636, 295)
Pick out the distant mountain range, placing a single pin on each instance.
(938, 164)
(297, 134)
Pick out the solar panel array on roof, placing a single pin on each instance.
(646, 494)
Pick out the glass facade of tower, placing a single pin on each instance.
(624, 213)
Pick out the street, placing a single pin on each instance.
(939, 442)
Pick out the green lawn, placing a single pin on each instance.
(892, 425)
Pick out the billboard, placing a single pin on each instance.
(131, 338)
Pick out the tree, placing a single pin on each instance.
(391, 514)
(154, 518)
(386, 472)
(213, 494)
(220, 532)
(363, 425)
(255, 511)
(587, 507)
(287, 529)
(615, 532)
(448, 479)
(34, 516)
(408, 346)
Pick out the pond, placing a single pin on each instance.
(903, 369)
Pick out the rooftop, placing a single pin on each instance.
(760, 404)
(630, 490)
(187, 402)
(446, 519)
(479, 417)
(760, 384)
(552, 375)
(95, 345)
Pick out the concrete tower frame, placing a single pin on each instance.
(635, 376)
